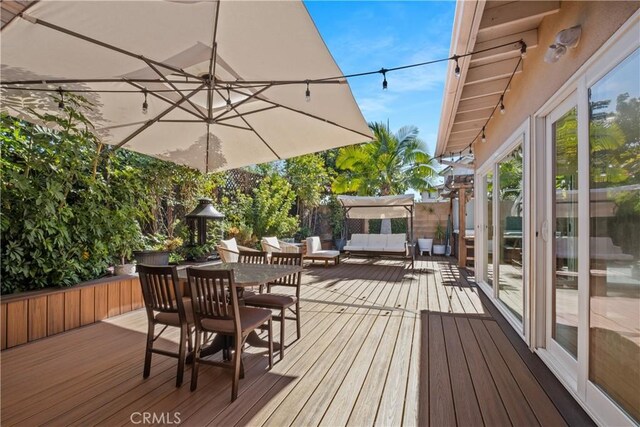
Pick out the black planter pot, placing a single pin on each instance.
(152, 257)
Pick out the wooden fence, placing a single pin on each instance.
(30, 316)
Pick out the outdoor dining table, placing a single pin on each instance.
(245, 275)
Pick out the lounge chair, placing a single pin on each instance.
(316, 253)
(273, 244)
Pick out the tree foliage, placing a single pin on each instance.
(64, 216)
(390, 164)
(70, 209)
(267, 212)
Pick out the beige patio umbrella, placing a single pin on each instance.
(223, 84)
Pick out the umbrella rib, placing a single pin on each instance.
(154, 68)
(55, 27)
(118, 80)
(261, 138)
(305, 114)
(157, 118)
(162, 98)
(248, 98)
(233, 126)
(271, 107)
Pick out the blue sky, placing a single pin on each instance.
(367, 36)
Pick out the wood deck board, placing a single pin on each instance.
(288, 408)
(380, 345)
(338, 333)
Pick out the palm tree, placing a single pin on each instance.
(390, 164)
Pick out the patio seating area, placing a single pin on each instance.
(381, 344)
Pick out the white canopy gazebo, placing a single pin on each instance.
(380, 207)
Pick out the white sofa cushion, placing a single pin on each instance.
(396, 242)
(360, 240)
(376, 242)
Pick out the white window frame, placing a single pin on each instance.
(595, 402)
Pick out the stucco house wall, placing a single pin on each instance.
(539, 80)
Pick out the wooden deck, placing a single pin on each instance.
(381, 345)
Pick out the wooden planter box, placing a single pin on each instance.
(29, 316)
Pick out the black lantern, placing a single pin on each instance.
(197, 220)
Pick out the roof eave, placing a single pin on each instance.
(463, 38)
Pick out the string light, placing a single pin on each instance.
(61, 102)
(484, 137)
(145, 106)
(457, 70)
(502, 109)
(307, 93)
(384, 81)
(523, 49)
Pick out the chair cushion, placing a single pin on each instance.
(353, 248)
(270, 300)
(313, 245)
(377, 242)
(358, 240)
(173, 319)
(396, 240)
(250, 319)
(325, 254)
(232, 246)
(273, 243)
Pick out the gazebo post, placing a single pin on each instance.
(462, 226)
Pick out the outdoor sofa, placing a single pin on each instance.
(378, 244)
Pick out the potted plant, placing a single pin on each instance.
(439, 248)
(336, 220)
(157, 249)
(196, 252)
(126, 236)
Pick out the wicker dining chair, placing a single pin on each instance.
(165, 306)
(214, 298)
(281, 302)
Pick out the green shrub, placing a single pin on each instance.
(64, 219)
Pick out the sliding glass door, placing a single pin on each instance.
(592, 238)
(502, 198)
(510, 207)
(562, 332)
(614, 242)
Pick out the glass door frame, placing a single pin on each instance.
(564, 361)
(595, 402)
(521, 136)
